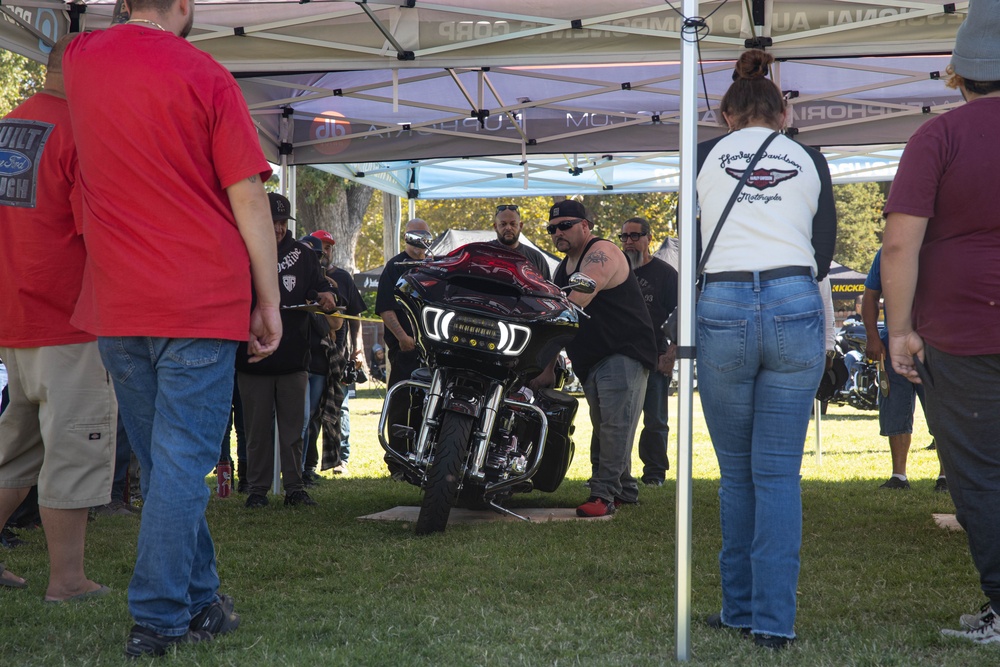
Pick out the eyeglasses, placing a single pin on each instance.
(630, 236)
(507, 207)
(562, 226)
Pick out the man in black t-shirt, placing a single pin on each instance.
(398, 335)
(507, 224)
(658, 282)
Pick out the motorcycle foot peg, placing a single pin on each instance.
(402, 431)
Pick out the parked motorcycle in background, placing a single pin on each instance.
(852, 379)
(485, 321)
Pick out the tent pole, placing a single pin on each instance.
(685, 356)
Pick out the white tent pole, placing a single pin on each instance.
(287, 185)
(686, 286)
(817, 409)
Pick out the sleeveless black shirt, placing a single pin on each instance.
(619, 324)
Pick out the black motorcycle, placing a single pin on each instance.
(485, 322)
(858, 388)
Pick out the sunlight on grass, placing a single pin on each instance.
(317, 587)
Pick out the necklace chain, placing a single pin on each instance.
(147, 21)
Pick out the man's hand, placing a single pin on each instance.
(874, 349)
(327, 301)
(665, 363)
(407, 344)
(265, 332)
(546, 378)
(902, 349)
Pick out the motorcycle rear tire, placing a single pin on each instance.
(445, 476)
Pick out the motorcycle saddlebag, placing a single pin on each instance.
(560, 410)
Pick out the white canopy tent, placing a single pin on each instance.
(456, 99)
(390, 92)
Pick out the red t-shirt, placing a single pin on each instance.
(162, 129)
(41, 253)
(947, 174)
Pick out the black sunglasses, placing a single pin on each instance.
(633, 236)
(562, 226)
(507, 207)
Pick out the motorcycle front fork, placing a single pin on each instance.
(436, 402)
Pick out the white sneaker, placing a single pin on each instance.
(987, 633)
(977, 620)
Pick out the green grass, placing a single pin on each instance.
(317, 587)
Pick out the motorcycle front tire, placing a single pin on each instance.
(445, 476)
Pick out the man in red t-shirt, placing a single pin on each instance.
(177, 225)
(941, 280)
(56, 379)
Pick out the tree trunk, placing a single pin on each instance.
(336, 205)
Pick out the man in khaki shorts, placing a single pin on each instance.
(59, 429)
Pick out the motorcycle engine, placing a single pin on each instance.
(865, 393)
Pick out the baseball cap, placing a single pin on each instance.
(324, 236)
(313, 243)
(281, 208)
(569, 208)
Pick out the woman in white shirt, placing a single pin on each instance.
(761, 343)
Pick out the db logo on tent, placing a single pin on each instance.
(332, 130)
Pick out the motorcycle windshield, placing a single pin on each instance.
(481, 277)
(491, 262)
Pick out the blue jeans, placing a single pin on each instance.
(614, 389)
(760, 359)
(173, 395)
(655, 430)
(895, 411)
(314, 395)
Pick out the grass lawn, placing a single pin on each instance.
(317, 587)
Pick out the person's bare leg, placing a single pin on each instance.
(10, 500)
(66, 532)
(899, 448)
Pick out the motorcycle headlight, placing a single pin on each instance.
(464, 330)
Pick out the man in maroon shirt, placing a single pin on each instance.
(941, 280)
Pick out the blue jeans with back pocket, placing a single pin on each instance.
(760, 358)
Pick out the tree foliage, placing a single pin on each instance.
(20, 78)
(607, 211)
(859, 223)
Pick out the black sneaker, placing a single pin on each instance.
(932, 446)
(300, 497)
(653, 481)
(217, 618)
(714, 621)
(896, 483)
(144, 642)
(9, 539)
(941, 485)
(773, 642)
(256, 501)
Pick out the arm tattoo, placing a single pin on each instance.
(597, 256)
(252, 179)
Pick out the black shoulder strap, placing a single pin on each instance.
(732, 200)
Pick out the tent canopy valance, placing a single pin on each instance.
(419, 98)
